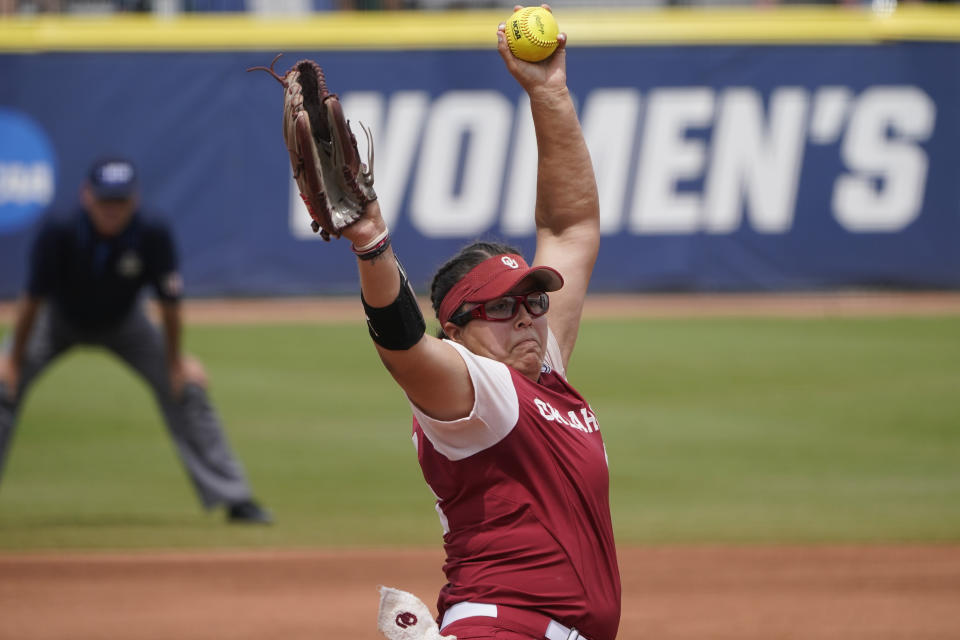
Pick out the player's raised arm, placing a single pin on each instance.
(337, 187)
(567, 209)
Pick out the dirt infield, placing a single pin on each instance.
(671, 593)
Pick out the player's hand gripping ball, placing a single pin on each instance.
(532, 34)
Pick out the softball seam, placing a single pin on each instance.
(528, 32)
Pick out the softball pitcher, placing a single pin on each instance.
(512, 452)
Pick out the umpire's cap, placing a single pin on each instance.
(113, 178)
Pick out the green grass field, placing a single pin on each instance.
(718, 430)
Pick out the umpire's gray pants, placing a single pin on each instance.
(192, 422)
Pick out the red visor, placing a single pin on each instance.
(494, 277)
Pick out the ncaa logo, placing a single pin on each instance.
(510, 262)
(27, 172)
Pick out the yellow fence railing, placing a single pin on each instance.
(475, 29)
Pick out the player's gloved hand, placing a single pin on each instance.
(370, 228)
(333, 181)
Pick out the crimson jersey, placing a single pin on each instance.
(522, 490)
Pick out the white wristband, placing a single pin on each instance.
(372, 243)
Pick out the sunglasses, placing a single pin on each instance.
(504, 308)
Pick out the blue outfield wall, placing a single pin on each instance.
(729, 167)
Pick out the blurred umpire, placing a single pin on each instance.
(86, 275)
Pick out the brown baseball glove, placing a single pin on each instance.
(334, 184)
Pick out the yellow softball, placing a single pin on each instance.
(532, 34)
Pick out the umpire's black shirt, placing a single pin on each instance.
(95, 281)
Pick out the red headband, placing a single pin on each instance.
(494, 277)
